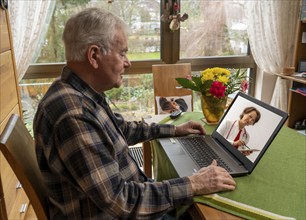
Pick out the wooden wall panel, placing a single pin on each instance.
(8, 87)
(9, 183)
(4, 39)
(9, 103)
(3, 123)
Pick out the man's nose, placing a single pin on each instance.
(127, 63)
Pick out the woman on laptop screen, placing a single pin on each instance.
(235, 131)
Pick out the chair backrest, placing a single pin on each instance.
(164, 80)
(17, 146)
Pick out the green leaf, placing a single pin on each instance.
(187, 84)
(237, 73)
(198, 83)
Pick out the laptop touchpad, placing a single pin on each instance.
(173, 148)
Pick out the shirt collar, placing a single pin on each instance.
(69, 77)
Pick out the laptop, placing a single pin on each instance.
(187, 153)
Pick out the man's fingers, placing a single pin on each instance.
(214, 163)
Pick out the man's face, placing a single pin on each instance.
(113, 65)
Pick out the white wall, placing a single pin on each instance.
(264, 86)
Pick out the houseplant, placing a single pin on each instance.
(214, 85)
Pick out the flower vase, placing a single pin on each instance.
(213, 108)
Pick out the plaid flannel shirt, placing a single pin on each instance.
(82, 151)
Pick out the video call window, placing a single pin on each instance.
(255, 135)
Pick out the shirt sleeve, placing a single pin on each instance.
(139, 131)
(94, 166)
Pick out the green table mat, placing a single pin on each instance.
(276, 189)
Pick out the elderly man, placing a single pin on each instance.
(82, 146)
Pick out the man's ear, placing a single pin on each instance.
(93, 54)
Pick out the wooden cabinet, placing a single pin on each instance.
(297, 102)
(14, 204)
(15, 199)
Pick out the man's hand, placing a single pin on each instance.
(211, 179)
(189, 127)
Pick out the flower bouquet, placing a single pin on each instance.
(215, 84)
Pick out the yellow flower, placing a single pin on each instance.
(223, 79)
(221, 71)
(216, 79)
(218, 74)
(207, 75)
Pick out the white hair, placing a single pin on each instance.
(90, 26)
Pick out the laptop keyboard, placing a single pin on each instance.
(201, 153)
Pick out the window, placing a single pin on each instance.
(132, 99)
(214, 28)
(141, 16)
(213, 35)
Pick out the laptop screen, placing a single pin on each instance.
(248, 127)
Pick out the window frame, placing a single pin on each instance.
(169, 53)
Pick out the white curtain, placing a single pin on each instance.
(272, 30)
(29, 21)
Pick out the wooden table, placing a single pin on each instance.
(200, 211)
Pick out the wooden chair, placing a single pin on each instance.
(17, 146)
(164, 80)
(165, 85)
